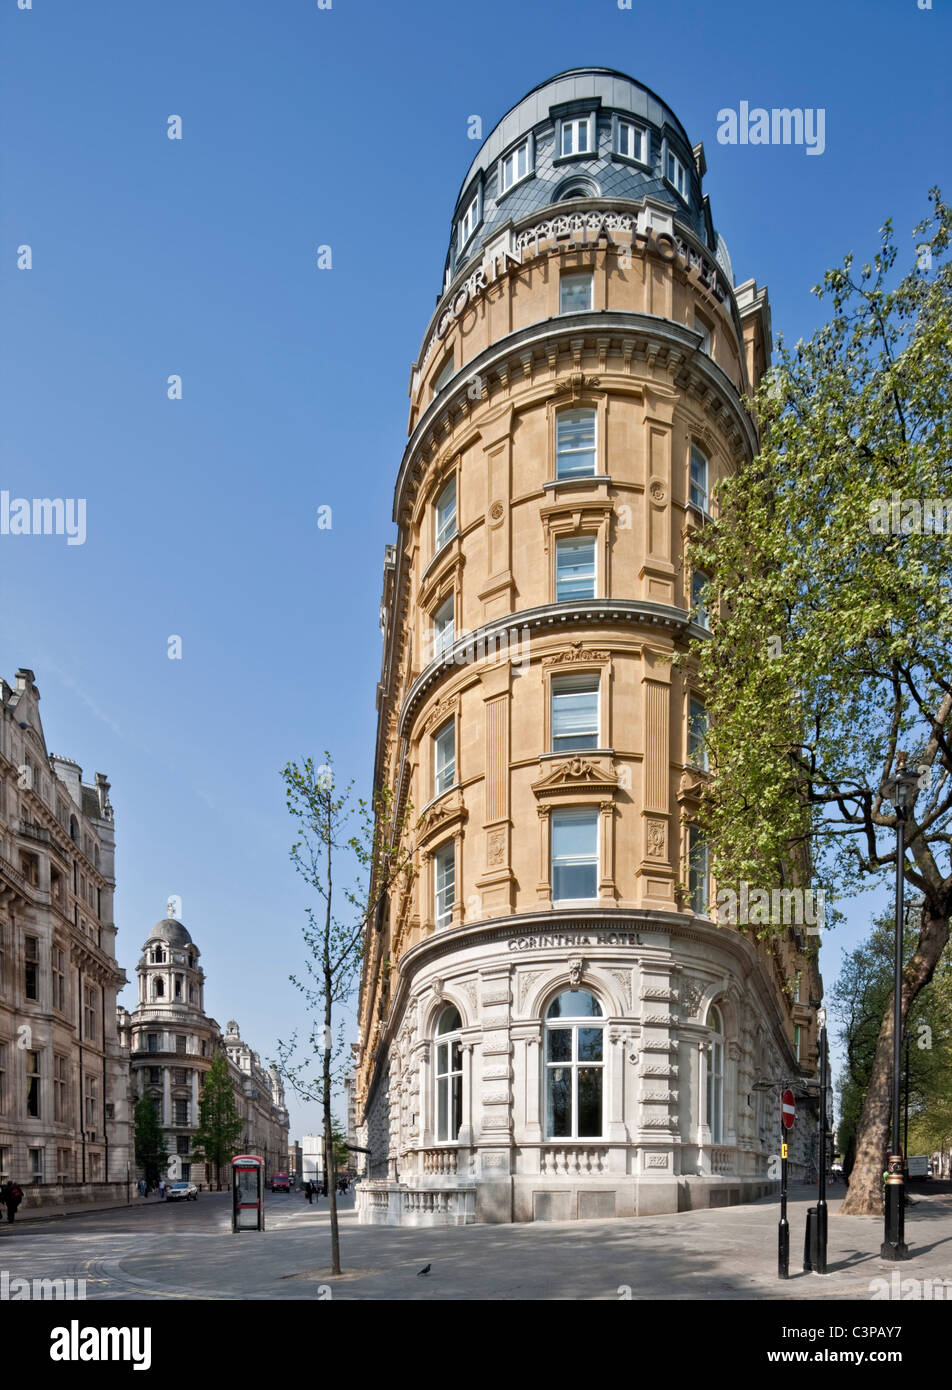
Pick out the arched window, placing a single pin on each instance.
(74, 830)
(574, 1066)
(449, 1077)
(715, 1076)
(158, 988)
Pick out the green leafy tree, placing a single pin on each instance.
(331, 825)
(151, 1154)
(859, 998)
(831, 617)
(220, 1125)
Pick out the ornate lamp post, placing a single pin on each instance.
(900, 789)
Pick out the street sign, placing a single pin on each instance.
(788, 1110)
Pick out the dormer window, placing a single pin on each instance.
(514, 166)
(631, 141)
(470, 219)
(576, 136)
(676, 175)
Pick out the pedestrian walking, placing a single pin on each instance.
(161, 1188)
(11, 1196)
(309, 1193)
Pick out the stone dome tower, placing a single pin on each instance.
(169, 973)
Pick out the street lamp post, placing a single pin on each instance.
(821, 1211)
(900, 789)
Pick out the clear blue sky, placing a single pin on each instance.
(304, 127)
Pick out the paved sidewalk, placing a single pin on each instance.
(729, 1253)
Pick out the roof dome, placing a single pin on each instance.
(171, 931)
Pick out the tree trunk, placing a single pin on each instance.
(329, 1167)
(865, 1194)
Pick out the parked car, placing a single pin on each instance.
(280, 1182)
(179, 1191)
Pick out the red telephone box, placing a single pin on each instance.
(247, 1193)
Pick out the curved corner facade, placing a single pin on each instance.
(552, 1024)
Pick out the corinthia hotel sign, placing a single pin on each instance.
(628, 232)
(560, 940)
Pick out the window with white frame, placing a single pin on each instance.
(699, 587)
(715, 1077)
(697, 869)
(699, 475)
(575, 444)
(576, 136)
(697, 734)
(514, 166)
(444, 884)
(797, 1040)
(442, 376)
(631, 141)
(448, 1075)
(444, 627)
(445, 515)
(575, 854)
(574, 1067)
(574, 712)
(574, 567)
(575, 292)
(701, 326)
(444, 757)
(469, 221)
(676, 174)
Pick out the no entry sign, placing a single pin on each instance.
(788, 1110)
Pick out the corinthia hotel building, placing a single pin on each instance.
(552, 1025)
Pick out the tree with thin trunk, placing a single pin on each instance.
(332, 825)
(220, 1124)
(151, 1154)
(830, 608)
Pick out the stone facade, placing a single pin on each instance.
(171, 1043)
(577, 396)
(64, 1103)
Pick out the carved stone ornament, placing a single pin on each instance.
(657, 491)
(576, 652)
(496, 847)
(575, 384)
(576, 966)
(656, 835)
(577, 774)
(496, 511)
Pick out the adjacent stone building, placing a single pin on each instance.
(171, 1042)
(64, 1111)
(552, 1025)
